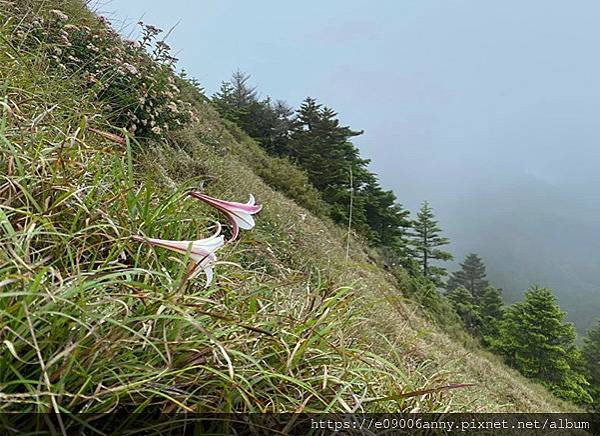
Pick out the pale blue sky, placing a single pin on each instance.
(489, 109)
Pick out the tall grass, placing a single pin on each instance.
(92, 321)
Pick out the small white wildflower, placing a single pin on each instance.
(133, 70)
(132, 43)
(156, 130)
(59, 14)
(90, 78)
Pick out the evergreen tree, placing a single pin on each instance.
(388, 221)
(266, 122)
(535, 340)
(281, 128)
(320, 145)
(235, 98)
(464, 304)
(491, 312)
(591, 356)
(223, 101)
(471, 276)
(425, 243)
(242, 95)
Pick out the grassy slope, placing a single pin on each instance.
(92, 320)
(393, 326)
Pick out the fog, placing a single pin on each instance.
(489, 110)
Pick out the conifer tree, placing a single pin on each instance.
(235, 98)
(266, 122)
(591, 356)
(389, 221)
(491, 312)
(535, 340)
(242, 95)
(425, 242)
(278, 133)
(463, 303)
(320, 145)
(223, 101)
(471, 276)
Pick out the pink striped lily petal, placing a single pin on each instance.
(202, 252)
(238, 214)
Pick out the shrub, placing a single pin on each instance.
(135, 79)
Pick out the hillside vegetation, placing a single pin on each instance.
(92, 320)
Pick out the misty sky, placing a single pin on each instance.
(489, 110)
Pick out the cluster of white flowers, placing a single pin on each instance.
(59, 14)
(135, 79)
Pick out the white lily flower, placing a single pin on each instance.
(238, 214)
(202, 252)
